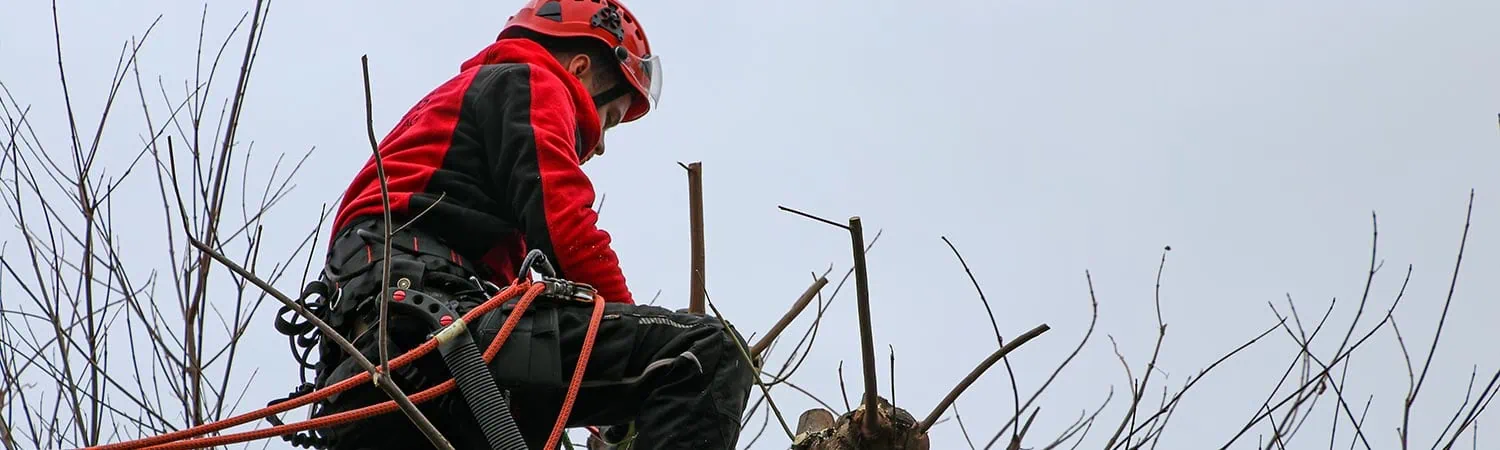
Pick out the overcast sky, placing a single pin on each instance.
(1045, 139)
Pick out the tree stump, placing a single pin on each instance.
(894, 429)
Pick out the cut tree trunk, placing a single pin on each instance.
(818, 429)
(894, 429)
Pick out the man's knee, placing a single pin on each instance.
(717, 347)
(735, 347)
(734, 374)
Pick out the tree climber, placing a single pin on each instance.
(484, 168)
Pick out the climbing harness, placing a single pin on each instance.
(451, 338)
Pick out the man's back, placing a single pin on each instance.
(487, 163)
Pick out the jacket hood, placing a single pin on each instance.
(525, 51)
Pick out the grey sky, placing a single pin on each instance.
(1043, 138)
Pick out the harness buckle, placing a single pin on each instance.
(561, 289)
(556, 288)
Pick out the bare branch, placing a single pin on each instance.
(1093, 320)
(810, 216)
(1442, 320)
(385, 383)
(979, 370)
(1015, 391)
(786, 319)
(385, 204)
(695, 220)
(1161, 334)
(866, 332)
(728, 328)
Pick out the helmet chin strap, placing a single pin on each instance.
(603, 98)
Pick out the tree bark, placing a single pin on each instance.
(893, 429)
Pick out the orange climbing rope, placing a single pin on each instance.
(187, 439)
(577, 382)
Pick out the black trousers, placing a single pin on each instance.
(681, 378)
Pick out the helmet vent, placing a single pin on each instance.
(551, 10)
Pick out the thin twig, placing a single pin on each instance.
(960, 418)
(729, 330)
(1334, 363)
(810, 216)
(1485, 397)
(786, 319)
(1468, 395)
(810, 336)
(1015, 391)
(809, 394)
(1139, 391)
(893, 375)
(974, 374)
(1338, 392)
(418, 216)
(1442, 320)
(1364, 296)
(1015, 442)
(1361, 423)
(1176, 398)
(1082, 425)
(385, 202)
(844, 390)
(1093, 321)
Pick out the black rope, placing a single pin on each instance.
(302, 335)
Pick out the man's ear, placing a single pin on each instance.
(578, 65)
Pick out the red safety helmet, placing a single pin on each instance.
(610, 23)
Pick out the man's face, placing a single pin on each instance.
(610, 113)
(609, 116)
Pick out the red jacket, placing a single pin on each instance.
(500, 143)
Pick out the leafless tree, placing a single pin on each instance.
(1310, 376)
(112, 326)
(94, 348)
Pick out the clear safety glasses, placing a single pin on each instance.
(645, 72)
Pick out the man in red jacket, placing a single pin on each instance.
(485, 168)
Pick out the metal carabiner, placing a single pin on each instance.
(535, 259)
(568, 290)
(555, 287)
(490, 289)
